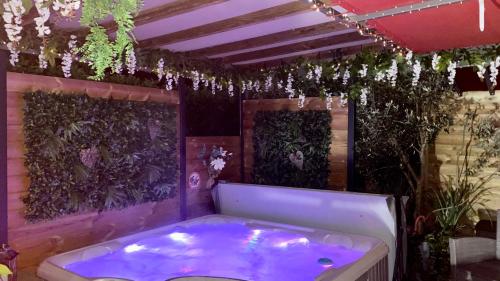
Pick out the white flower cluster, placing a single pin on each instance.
(67, 8)
(118, 67)
(435, 61)
(196, 80)
(481, 71)
(12, 17)
(363, 99)
(159, 68)
(318, 70)
(309, 75)
(42, 60)
(494, 71)
(279, 84)
(43, 9)
(302, 99)
(392, 73)
(170, 80)
(131, 61)
(408, 58)
(345, 78)
(213, 85)
(67, 59)
(329, 101)
(256, 86)
(379, 76)
(363, 71)
(452, 72)
(417, 68)
(343, 99)
(289, 87)
(269, 83)
(230, 88)
(336, 72)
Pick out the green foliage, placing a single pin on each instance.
(98, 50)
(126, 164)
(280, 134)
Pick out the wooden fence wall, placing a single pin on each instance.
(199, 200)
(37, 241)
(447, 145)
(339, 126)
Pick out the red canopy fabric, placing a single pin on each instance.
(446, 27)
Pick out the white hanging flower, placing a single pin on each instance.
(280, 84)
(417, 68)
(213, 85)
(159, 68)
(380, 76)
(363, 98)
(42, 60)
(118, 67)
(494, 71)
(392, 73)
(67, 59)
(243, 86)
(219, 86)
(249, 85)
(43, 16)
(14, 53)
(345, 78)
(269, 83)
(12, 16)
(318, 71)
(481, 71)
(452, 72)
(363, 71)
(343, 99)
(176, 78)
(67, 8)
(289, 87)
(196, 79)
(309, 75)
(230, 88)
(256, 86)
(302, 99)
(408, 58)
(329, 101)
(218, 164)
(336, 72)
(435, 61)
(130, 61)
(169, 77)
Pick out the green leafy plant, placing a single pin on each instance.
(87, 154)
(292, 148)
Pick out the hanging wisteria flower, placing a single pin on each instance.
(343, 99)
(452, 72)
(218, 164)
(408, 58)
(219, 86)
(392, 73)
(42, 60)
(159, 68)
(318, 71)
(363, 71)
(43, 16)
(363, 98)
(494, 71)
(67, 59)
(230, 88)
(213, 85)
(169, 77)
(417, 68)
(329, 101)
(249, 85)
(118, 66)
(131, 61)
(269, 83)
(256, 86)
(12, 17)
(379, 76)
(176, 78)
(309, 75)
(196, 79)
(435, 61)
(280, 84)
(481, 71)
(205, 80)
(345, 78)
(289, 87)
(67, 8)
(243, 86)
(302, 99)
(336, 72)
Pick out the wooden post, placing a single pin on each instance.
(242, 141)
(183, 92)
(351, 138)
(4, 59)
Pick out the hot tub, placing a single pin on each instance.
(221, 246)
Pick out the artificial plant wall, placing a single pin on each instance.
(291, 148)
(96, 154)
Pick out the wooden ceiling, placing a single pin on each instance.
(240, 32)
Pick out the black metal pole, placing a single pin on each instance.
(3, 147)
(242, 141)
(183, 92)
(351, 138)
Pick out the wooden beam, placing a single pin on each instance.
(227, 24)
(183, 92)
(268, 39)
(166, 11)
(4, 60)
(295, 47)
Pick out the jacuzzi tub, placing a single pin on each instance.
(225, 246)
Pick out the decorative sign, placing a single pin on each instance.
(194, 180)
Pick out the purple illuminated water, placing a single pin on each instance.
(230, 249)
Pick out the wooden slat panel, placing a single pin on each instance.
(268, 39)
(165, 11)
(227, 24)
(296, 47)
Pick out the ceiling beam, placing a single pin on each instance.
(227, 24)
(295, 47)
(268, 39)
(166, 11)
